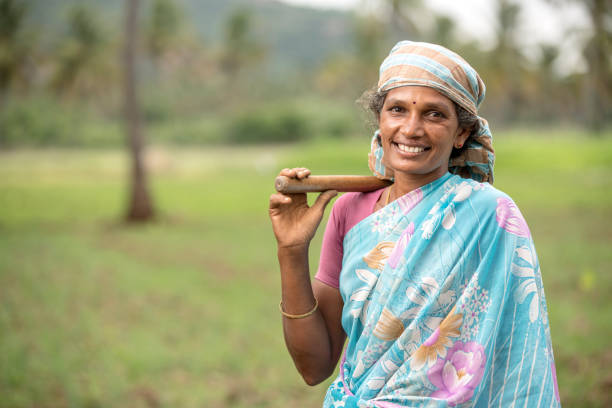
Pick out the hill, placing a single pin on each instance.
(294, 37)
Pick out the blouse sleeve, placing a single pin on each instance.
(330, 262)
(348, 210)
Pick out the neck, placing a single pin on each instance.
(405, 183)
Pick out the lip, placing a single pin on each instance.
(402, 151)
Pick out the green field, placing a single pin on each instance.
(184, 312)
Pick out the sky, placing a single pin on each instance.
(539, 23)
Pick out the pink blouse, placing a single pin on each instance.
(348, 211)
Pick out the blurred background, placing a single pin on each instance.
(139, 141)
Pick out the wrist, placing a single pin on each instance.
(293, 249)
(293, 261)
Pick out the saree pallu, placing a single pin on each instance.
(444, 305)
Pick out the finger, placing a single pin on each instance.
(291, 173)
(302, 172)
(296, 172)
(277, 199)
(298, 198)
(285, 172)
(323, 199)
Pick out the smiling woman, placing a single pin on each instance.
(408, 114)
(432, 282)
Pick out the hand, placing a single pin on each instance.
(293, 221)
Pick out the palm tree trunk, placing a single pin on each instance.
(140, 207)
(598, 57)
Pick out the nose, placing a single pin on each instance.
(412, 125)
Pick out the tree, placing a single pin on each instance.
(162, 28)
(507, 61)
(550, 100)
(140, 207)
(402, 16)
(597, 51)
(240, 50)
(444, 31)
(80, 58)
(13, 50)
(371, 48)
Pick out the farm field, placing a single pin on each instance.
(183, 312)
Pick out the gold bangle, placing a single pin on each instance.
(298, 316)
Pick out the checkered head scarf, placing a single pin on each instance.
(422, 64)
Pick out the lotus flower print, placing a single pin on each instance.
(459, 373)
(362, 293)
(509, 217)
(438, 341)
(377, 257)
(523, 267)
(408, 201)
(388, 327)
(401, 246)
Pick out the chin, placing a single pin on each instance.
(411, 170)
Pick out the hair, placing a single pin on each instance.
(373, 100)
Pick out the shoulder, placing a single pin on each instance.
(351, 208)
(492, 203)
(354, 198)
(350, 202)
(484, 195)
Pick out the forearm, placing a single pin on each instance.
(307, 339)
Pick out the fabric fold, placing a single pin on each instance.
(444, 305)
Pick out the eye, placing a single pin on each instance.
(396, 109)
(436, 114)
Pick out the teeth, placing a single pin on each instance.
(410, 149)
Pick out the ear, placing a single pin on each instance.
(461, 136)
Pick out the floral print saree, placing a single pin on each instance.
(444, 305)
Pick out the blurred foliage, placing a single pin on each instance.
(268, 126)
(240, 50)
(37, 121)
(164, 23)
(81, 66)
(219, 59)
(14, 48)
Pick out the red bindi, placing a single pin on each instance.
(414, 102)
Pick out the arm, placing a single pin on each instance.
(314, 342)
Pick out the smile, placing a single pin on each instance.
(410, 149)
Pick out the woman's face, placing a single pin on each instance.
(418, 128)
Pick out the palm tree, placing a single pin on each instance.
(403, 17)
(12, 49)
(507, 60)
(598, 54)
(162, 28)
(80, 55)
(240, 49)
(140, 207)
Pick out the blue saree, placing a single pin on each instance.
(444, 305)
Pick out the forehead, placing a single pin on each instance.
(420, 94)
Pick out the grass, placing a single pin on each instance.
(183, 312)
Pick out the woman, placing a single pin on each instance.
(434, 280)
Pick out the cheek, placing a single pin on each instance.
(385, 130)
(388, 126)
(448, 145)
(444, 146)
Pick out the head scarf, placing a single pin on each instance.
(422, 64)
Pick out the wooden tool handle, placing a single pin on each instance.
(286, 185)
